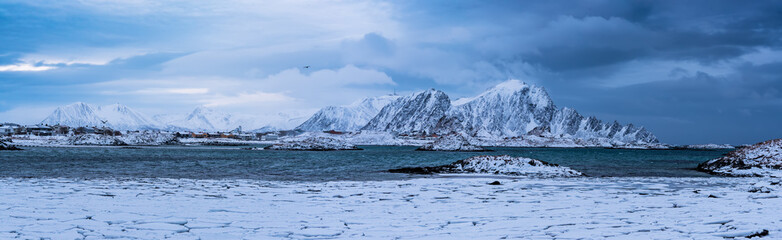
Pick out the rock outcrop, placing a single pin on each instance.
(313, 144)
(6, 146)
(454, 143)
(759, 160)
(503, 165)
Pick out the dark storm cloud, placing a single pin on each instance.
(676, 67)
(568, 35)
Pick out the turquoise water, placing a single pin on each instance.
(368, 164)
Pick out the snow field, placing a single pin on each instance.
(425, 208)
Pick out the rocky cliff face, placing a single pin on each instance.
(418, 113)
(567, 121)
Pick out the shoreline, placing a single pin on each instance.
(252, 143)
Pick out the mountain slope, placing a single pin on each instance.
(203, 119)
(347, 118)
(115, 116)
(416, 113)
(514, 108)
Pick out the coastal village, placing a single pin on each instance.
(13, 129)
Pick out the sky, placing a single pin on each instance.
(689, 71)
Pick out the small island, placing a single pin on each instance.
(313, 144)
(501, 165)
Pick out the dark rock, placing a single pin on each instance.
(759, 234)
(5, 146)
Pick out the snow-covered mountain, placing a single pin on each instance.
(418, 113)
(510, 109)
(115, 116)
(279, 121)
(210, 120)
(569, 122)
(347, 118)
(514, 108)
(201, 119)
(121, 117)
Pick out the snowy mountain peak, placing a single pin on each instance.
(511, 85)
(512, 108)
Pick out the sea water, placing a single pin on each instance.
(372, 163)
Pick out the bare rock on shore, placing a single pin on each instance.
(6, 146)
(759, 160)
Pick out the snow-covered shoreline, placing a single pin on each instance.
(428, 208)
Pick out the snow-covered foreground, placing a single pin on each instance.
(425, 208)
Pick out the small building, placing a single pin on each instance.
(7, 130)
(334, 132)
(39, 130)
(60, 129)
(183, 134)
(84, 130)
(199, 135)
(246, 136)
(270, 137)
(227, 135)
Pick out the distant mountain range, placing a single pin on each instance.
(120, 117)
(510, 109)
(116, 116)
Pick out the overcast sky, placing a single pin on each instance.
(690, 71)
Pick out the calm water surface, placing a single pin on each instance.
(368, 164)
